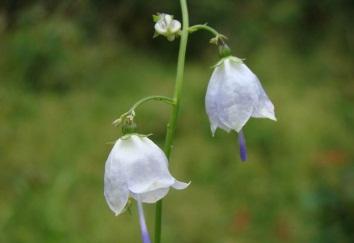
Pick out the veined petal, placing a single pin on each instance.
(160, 28)
(264, 107)
(179, 185)
(167, 18)
(212, 99)
(239, 94)
(152, 196)
(175, 26)
(115, 189)
(147, 170)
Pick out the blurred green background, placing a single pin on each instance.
(69, 68)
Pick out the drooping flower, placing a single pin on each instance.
(234, 95)
(166, 26)
(137, 168)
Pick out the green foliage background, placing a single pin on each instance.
(68, 68)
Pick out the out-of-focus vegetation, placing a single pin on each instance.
(68, 68)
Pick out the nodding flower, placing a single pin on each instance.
(137, 168)
(234, 95)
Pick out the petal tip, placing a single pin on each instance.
(179, 185)
(272, 117)
(213, 130)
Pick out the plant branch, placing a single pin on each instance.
(165, 99)
(217, 36)
(131, 111)
(203, 27)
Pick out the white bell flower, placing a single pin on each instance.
(234, 95)
(167, 26)
(137, 168)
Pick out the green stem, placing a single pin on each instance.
(171, 126)
(165, 99)
(131, 111)
(203, 27)
(218, 39)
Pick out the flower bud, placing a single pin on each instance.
(166, 26)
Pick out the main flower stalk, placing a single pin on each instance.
(171, 126)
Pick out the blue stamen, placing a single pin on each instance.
(242, 143)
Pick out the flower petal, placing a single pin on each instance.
(115, 189)
(213, 98)
(264, 107)
(146, 170)
(179, 185)
(160, 28)
(152, 196)
(239, 94)
(175, 26)
(167, 18)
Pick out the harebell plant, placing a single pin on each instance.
(137, 168)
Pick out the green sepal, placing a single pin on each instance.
(129, 127)
(171, 37)
(217, 39)
(112, 142)
(232, 58)
(213, 41)
(128, 206)
(224, 50)
(156, 17)
(155, 35)
(127, 136)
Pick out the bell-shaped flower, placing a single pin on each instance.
(137, 168)
(166, 26)
(234, 95)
